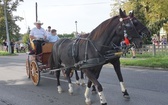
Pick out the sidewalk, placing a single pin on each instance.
(138, 67)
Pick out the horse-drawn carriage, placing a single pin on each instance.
(37, 63)
(90, 52)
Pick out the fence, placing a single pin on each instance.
(154, 49)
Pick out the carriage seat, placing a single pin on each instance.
(46, 51)
(33, 47)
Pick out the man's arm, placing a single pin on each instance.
(32, 37)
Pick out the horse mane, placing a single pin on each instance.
(102, 27)
(99, 30)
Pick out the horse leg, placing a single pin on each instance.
(117, 69)
(93, 89)
(77, 77)
(87, 94)
(68, 71)
(82, 79)
(58, 81)
(97, 76)
(90, 74)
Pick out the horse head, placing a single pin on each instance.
(141, 29)
(127, 28)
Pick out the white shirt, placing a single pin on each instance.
(48, 33)
(21, 45)
(38, 33)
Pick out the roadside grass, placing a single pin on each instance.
(4, 53)
(146, 60)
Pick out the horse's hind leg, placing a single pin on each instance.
(117, 69)
(87, 94)
(82, 79)
(68, 71)
(93, 79)
(58, 81)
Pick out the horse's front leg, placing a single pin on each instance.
(77, 77)
(116, 64)
(68, 71)
(58, 81)
(81, 81)
(93, 79)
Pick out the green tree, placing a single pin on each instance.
(25, 38)
(152, 13)
(70, 36)
(117, 4)
(11, 5)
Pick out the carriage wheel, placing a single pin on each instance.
(28, 68)
(35, 73)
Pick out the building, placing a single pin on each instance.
(163, 33)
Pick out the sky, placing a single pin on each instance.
(62, 14)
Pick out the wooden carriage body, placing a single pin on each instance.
(34, 66)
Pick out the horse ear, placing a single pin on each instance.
(131, 13)
(122, 14)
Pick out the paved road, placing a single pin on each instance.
(146, 87)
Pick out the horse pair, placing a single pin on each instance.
(93, 50)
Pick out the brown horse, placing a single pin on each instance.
(143, 32)
(89, 53)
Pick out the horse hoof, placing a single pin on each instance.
(88, 103)
(104, 104)
(59, 92)
(77, 83)
(70, 93)
(126, 96)
(59, 89)
(94, 92)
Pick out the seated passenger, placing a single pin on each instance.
(37, 36)
(53, 37)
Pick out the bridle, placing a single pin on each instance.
(140, 32)
(125, 25)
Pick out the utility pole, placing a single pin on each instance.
(36, 12)
(7, 30)
(76, 28)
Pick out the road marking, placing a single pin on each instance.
(56, 79)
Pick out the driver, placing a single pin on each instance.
(37, 36)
